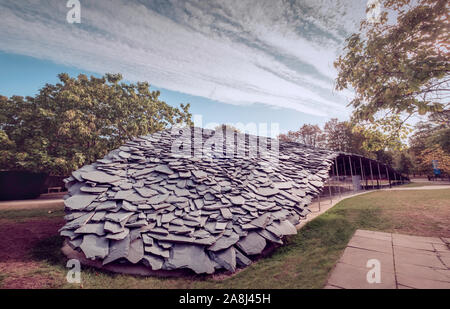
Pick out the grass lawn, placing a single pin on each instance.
(428, 183)
(304, 262)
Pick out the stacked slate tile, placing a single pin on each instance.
(145, 203)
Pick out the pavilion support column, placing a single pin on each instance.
(329, 191)
(371, 175)
(344, 168)
(389, 178)
(337, 175)
(362, 172)
(379, 175)
(351, 170)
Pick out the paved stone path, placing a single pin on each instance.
(405, 262)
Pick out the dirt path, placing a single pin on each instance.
(31, 204)
(18, 239)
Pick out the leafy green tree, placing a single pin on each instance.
(404, 163)
(398, 67)
(79, 120)
(431, 141)
(227, 127)
(341, 136)
(308, 134)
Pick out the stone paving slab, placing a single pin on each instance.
(352, 277)
(405, 262)
(359, 257)
(371, 244)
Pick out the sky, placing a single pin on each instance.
(234, 61)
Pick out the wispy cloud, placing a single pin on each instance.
(278, 53)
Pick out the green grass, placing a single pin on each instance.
(2, 277)
(25, 214)
(306, 259)
(421, 184)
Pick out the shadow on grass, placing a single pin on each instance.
(49, 250)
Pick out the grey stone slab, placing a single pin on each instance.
(157, 199)
(95, 246)
(148, 241)
(136, 252)
(270, 236)
(284, 227)
(89, 189)
(119, 217)
(236, 200)
(199, 174)
(184, 239)
(98, 216)
(157, 250)
(160, 231)
(221, 225)
(74, 215)
(127, 206)
(252, 244)
(225, 258)
(181, 192)
(69, 234)
(185, 174)
(75, 243)
(118, 249)
(176, 229)
(106, 205)
(164, 169)
(199, 203)
(262, 221)
(153, 261)
(80, 201)
(224, 242)
(267, 191)
(80, 221)
(91, 228)
(118, 236)
(166, 218)
(241, 259)
(146, 192)
(113, 227)
(192, 257)
(283, 185)
(226, 213)
(100, 177)
(161, 206)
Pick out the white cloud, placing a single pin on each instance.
(237, 52)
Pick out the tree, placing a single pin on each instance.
(398, 66)
(308, 134)
(77, 121)
(431, 141)
(404, 163)
(435, 152)
(341, 136)
(227, 127)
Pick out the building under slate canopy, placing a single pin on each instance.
(200, 200)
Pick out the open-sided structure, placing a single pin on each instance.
(195, 199)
